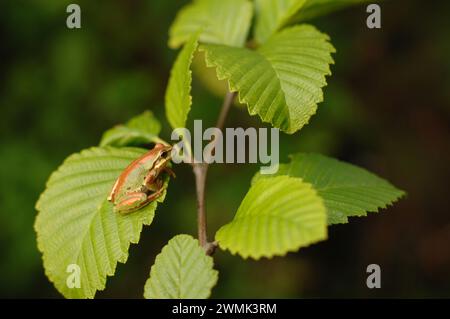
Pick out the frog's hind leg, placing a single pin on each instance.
(131, 203)
(155, 195)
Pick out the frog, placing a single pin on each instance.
(141, 182)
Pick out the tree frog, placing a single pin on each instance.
(141, 182)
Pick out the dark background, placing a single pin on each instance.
(387, 108)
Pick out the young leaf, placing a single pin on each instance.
(315, 8)
(76, 224)
(223, 22)
(347, 190)
(178, 94)
(142, 129)
(273, 15)
(282, 81)
(181, 271)
(277, 215)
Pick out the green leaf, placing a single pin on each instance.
(315, 8)
(142, 129)
(277, 215)
(223, 22)
(178, 94)
(272, 15)
(347, 190)
(282, 81)
(76, 224)
(181, 271)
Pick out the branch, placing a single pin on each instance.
(200, 181)
(200, 171)
(227, 102)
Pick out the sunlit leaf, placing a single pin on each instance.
(273, 15)
(347, 190)
(316, 8)
(76, 224)
(277, 215)
(223, 22)
(282, 81)
(181, 271)
(178, 94)
(142, 129)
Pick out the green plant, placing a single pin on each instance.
(279, 75)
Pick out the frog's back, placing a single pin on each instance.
(136, 176)
(131, 178)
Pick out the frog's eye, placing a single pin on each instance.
(165, 154)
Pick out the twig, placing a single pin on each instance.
(200, 181)
(228, 101)
(200, 171)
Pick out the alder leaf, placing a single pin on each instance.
(277, 215)
(181, 271)
(347, 190)
(272, 15)
(142, 129)
(178, 94)
(282, 81)
(316, 8)
(76, 224)
(222, 21)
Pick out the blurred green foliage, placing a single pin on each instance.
(387, 108)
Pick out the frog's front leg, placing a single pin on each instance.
(169, 171)
(150, 179)
(153, 181)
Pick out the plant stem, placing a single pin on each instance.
(200, 181)
(228, 101)
(201, 171)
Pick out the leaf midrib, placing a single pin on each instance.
(286, 106)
